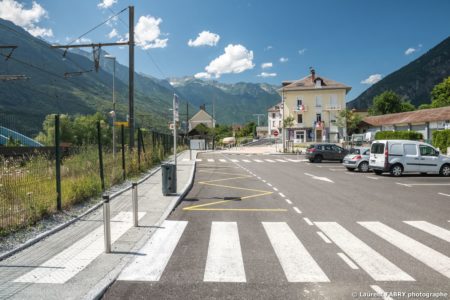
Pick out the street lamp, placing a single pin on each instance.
(113, 112)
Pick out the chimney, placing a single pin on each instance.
(202, 107)
(313, 73)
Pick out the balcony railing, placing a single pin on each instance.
(300, 108)
(333, 107)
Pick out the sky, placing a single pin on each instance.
(355, 42)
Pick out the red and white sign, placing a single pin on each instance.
(275, 133)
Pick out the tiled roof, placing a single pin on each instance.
(307, 83)
(275, 108)
(418, 116)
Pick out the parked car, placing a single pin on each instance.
(403, 156)
(358, 158)
(318, 152)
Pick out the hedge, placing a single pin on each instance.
(441, 139)
(398, 135)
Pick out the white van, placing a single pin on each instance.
(399, 156)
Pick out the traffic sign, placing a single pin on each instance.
(125, 124)
(275, 133)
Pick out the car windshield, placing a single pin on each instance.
(355, 151)
(377, 148)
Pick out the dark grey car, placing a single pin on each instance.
(318, 152)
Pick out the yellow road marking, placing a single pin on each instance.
(230, 178)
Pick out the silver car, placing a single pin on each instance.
(358, 158)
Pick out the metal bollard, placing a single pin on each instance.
(134, 200)
(107, 223)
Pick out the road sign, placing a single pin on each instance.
(275, 133)
(125, 124)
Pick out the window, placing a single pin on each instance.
(377, 148)
(333, 100)
(273, 124)
(427, 151)
(273, 115)
(279, 123)
(336, 148)
(367, 152)
(299, 102)
(318, 101)
(318, 83)
(410, 149)
(355, 151)
(396, 149)
(299, 118)
(319, 117)
(328, 147)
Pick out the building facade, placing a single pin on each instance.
(202, 117)
(314, 103)
(274, 119)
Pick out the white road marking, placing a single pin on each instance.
(371, 177)
(308, 221)
(269, 184)
(281, 195)
(198, 159)
(155, 253)
(324, 238)
(381, 292)
(235, 160)
(432, 229)
(298, 265)
(348, 261)
(69, 262)
(422, 184)
(264, 181)
(275, 189)
(246, 160)
(297, 160)
(210, 160)
(224, 262)
(377, 266)
(259, 178)
(297, 210)
(222, 160)
(442, 194)
(338, 169)
(185, 159)
(258, 160)
(319, 178)
(281, 160)
(288, 201)
(435, 260)
(269, 160)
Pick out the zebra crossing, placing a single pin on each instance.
(225, 261)
(247, 160)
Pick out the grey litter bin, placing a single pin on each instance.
(169, 179)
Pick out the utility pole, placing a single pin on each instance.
(213, 124)
(130, 43)
(258, 115)
(113, 112)
(283, 136)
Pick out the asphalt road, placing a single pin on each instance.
(279, 227)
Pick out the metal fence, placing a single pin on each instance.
(35, 182)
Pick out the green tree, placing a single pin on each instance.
(47, 135)
(389, 102)
(12, 142)
(425, 106)
(85, 129)
(349, 119)
(440, 95)
(288, 122)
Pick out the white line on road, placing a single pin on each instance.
(224, 262)
(288, 201)
(185, 159)
(269, 184)
(69, 262)
(297, 210)
(371, 177)
(281, 195)
(264, 181)
(246, 160)
(432, 229)
(338, 169)
(234, 160)
(422, 184)
(222, 160)
(435, 260)
(210, 160)
(281, 160)
(198, 159)
(259, 178)
(348, 261)
(258, 160)
(269, 160)
(155, 253)
(324, 238)
(275, 189)
(297, 160)
(442, 194)
(308, 221)
(298, 265)
(381, 292)
(377, 266)
(319, 178)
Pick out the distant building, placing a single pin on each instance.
(262, 131)
(314, 102)
(424, 121)
(274, 119)
(202, 117)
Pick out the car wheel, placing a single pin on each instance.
(351, 169)
(396, 170)
(318, 159)
(445, 170)
(311, 160)
(341, 161)
(378, 172)
(363, 167)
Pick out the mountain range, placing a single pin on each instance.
(61, 82)
(413, 81)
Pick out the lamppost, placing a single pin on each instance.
(113, 112)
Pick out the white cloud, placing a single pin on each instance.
(268, 48)
(106, 3)
(284, 59)
(205, 38)
(266, 65)
(302, 51)
(202, 75)
(265, 75)
(148, 34)
(113, 33)
(236, 59)
(410, 51)
(372, 79)
(27, 18)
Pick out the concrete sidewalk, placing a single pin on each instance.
(71, 264)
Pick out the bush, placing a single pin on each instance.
(398, 135)
(441, 140)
